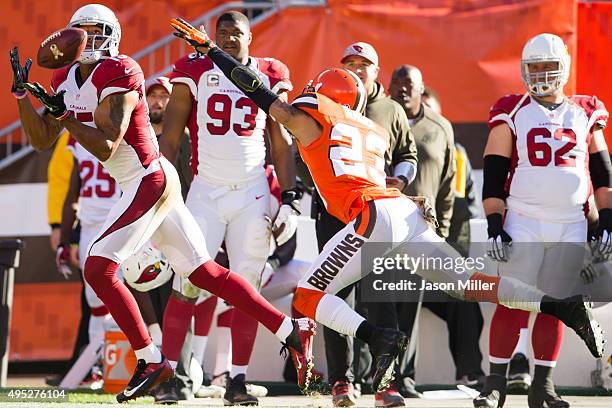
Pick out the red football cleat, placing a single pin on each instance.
(299, 344)
(146, 377)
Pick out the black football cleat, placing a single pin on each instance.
(146, 376)
(166, 393)
(299, 344)
(519, 379)
(385, 345)
(576, 312)
(236, 393)
(493, 394)
(545, 397)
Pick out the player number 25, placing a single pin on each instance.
(88, 169)
(354, 154)
(540, 152)
(219, 108)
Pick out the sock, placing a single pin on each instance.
(238, 292)
(504, 333)
(365, 331)
(336, 314)
(523, 342)
(284, 330)
(156, 334)
(244, 332)
(546, 340)
(149, 353)
(224, 351)
(100, 273)
(515, 294)
(177, 318)
(237, 370)
(203, 316)
(498, 369)
(198, 345)
(543, 379)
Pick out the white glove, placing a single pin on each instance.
(288, 218)
(62, 260)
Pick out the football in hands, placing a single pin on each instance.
(62, 48)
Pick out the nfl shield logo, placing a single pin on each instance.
(212, 80)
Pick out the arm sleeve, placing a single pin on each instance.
(58, 179)
(406, 169)
(446, 194)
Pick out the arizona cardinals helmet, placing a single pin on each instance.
(545, 48)
(341, 86)
(102, 16)
(146, 269)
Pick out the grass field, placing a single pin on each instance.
(88, 399)
(514, 401)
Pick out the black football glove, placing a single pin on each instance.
(20, 74)
(601, 240)
(500, 242)
(54, 103)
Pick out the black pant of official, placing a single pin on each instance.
(340, 350)
(463, 320)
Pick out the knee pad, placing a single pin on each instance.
(306, 301)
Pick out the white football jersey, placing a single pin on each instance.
(227, 128)
(121, 74)
(549, 176)
(99, 191)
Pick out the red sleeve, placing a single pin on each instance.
(71, 144)
(277, 72)
(188, 71)
(119, 74)
(59, 76)
(594, 109)
(273, 183)
(501, 110)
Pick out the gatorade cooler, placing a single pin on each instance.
(119, 362)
